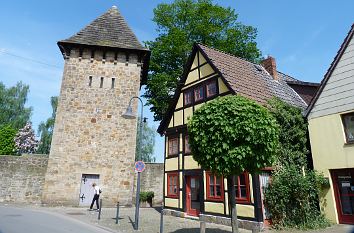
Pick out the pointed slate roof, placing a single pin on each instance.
(109, 30)
(242, 78)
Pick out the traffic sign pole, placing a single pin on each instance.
(137, 203)
(139, 167)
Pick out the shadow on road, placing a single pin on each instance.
(158, 209)
(197, 230)
(131, 221)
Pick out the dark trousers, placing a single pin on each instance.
(95, 198)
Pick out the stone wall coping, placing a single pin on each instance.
(26, 155)
(153, 163)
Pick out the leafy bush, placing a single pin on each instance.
(146, 196)
(292, 198)
(7, 143)
(293, 136)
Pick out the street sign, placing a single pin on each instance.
(139, 166)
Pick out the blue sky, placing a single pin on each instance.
(303, 36)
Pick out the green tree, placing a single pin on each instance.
(231, 135)
(179, 25)
(145, 145)
(12, 105)
(45, 129)
(7, 143)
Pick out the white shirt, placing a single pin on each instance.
(97, 190)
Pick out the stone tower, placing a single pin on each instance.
(105, 65)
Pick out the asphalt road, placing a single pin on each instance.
(23, 220)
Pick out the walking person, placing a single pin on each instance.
(96, 196)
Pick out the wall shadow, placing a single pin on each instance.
(197, 230)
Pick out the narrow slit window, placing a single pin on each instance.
(113, 81)
(101, 84)
(90, 81)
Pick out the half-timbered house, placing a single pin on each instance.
(209, 73)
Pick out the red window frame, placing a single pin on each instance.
(208, 94)
(188, 95)
(187, 149)
(172, 184)
(199, 93)
(171, 146)
(348, 140)
(239, 198)
(209, 195)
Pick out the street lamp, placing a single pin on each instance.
(130, 115)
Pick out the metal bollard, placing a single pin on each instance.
(117, 215)
(255, 230)
(202, 224)
(99, 211)
(161, 220)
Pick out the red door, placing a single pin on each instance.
(343, 184)
(193, 195)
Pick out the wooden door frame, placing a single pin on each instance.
(334, 175)
(189, 210)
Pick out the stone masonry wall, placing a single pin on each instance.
(22, 178)
(151, 179)
(90, 135)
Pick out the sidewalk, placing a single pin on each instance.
(149, 221)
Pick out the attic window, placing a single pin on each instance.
(211, 89)
(348, 124)
(188, 97)
(199, 93)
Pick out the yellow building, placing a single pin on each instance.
(331, 127)
(209, 73)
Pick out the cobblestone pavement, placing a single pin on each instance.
(149, 221)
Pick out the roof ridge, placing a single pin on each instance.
(288, 75)
(229, 54)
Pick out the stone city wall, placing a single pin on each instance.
(151, 179)
(22, 178)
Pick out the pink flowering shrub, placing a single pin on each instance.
(25, 140)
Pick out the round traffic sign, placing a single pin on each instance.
(139, 166)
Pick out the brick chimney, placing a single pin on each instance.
(270, 65)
